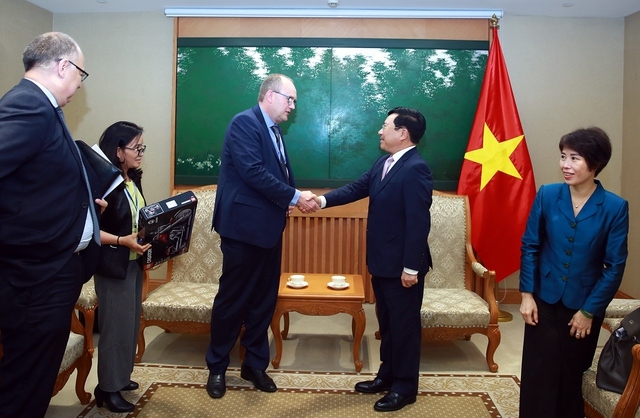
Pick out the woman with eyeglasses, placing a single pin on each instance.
(118, 279)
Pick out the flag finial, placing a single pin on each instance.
(494, 22)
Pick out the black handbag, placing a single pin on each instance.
(107, 172)
(616, 359)
(114, 261)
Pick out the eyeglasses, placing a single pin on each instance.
(83, 73)
(290, 100)
(395, 128)
(140, 150)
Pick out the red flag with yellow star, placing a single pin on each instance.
(496, 172)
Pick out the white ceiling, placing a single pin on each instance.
(557, 8)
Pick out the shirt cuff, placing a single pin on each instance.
(296, 197)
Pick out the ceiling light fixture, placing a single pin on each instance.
(334, 13)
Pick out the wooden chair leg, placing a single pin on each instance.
(141, 341)
(84, 367)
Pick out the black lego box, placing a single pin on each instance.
(167, 225)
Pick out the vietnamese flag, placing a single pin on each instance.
(496, 172)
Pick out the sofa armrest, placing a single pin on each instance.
(485, 284)
(630, 398)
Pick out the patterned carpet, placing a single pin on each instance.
(180, 391)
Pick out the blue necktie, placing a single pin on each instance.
(276, 132)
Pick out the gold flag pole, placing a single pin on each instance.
(503, 316)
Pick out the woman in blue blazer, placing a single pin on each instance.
(574, 252)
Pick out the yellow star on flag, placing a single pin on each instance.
(494, 156)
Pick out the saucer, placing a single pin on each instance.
(338, 287)
(297, 286)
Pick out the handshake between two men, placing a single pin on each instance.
(307, 203)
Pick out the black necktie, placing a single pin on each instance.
(92, 210)
(276, 132)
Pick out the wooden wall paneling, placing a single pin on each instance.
(454, 29)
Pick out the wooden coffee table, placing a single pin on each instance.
(320, 300)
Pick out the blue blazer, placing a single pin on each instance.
(579, 260)
(43, 196)
(253, 190)
(398, 221)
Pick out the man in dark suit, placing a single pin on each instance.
(399, 187)
(48, 247)
(255, 194)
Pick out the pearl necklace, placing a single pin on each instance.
(581, 203)
(583, 200)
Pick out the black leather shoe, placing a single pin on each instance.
(216, 386)
(131, 386)
(372, 386)
(114, 401)
(259, 378)
(392, 402)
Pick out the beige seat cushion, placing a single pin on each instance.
(75, 345)
(454, 308)
(619, 308)
(88, 298)
(180, 301)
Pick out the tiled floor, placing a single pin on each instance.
(322, 344)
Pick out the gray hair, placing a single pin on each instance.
(272, 82)
(48, 48)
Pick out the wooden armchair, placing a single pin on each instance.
(600, 403)
(76, 357)
(184, 303)
(87, 304)
(459, 295)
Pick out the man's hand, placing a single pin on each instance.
(102, 203)
(307, 202)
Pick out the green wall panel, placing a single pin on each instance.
(345, 88)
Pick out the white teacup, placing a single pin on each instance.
(296, 279)
(338, 280)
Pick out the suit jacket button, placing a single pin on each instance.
(566, 265)
(84, 205)
(564, 278)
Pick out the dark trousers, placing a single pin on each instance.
(553, 363)
(247, 295)
(35, 322)
(398, 311)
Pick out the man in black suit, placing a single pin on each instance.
(48, 241)
(256, 192)
(399, 187)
